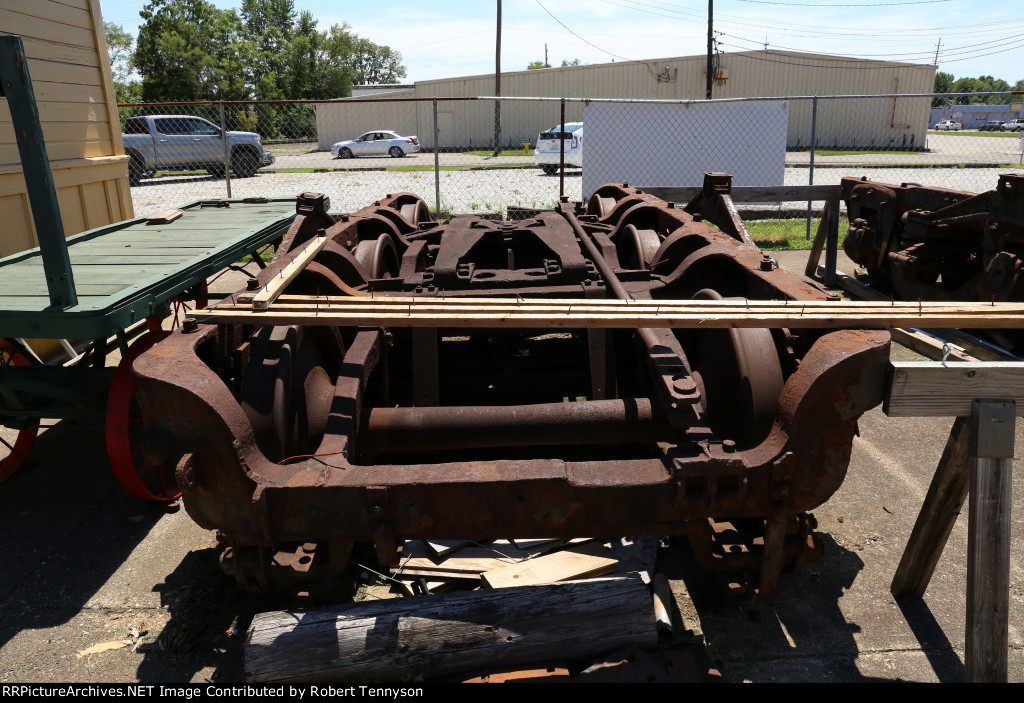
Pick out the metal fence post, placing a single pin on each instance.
(561, 153)
(224, 144)
(437, 165)
(814, 144)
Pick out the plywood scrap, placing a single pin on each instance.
(452, 633)
(580, 562)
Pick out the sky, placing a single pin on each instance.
(450, 38)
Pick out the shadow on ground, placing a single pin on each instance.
(800, 634)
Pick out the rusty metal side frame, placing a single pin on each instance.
(670, 473)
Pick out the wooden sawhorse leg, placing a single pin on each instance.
(978, 459)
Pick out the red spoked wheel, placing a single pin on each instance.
(139, 475)
(14, 451)
(192, 299)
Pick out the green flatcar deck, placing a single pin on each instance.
(128, 271)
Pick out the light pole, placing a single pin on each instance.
(711, 14)
(497, 85)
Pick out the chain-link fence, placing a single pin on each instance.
(443, 149)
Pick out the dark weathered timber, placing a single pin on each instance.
(988, 543)
(441, 635)
(941, 508)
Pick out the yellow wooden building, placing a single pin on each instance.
(70, 70)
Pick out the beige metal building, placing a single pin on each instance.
(880, 122)
(67, 61)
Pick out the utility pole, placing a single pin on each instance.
(711, 13)
(546, 64)
(936, 61)
(497, 85)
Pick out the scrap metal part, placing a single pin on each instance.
(923, 243)
(298, 441)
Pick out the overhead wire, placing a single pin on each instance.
(953, 51)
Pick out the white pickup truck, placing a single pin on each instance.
(184, 142)
(949, 125)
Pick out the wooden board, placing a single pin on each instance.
(445, 634)
(456, 312)
(584, 561)
(262, 299)
(932, 389)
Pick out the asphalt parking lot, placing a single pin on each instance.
(98, 586)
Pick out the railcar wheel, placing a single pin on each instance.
(289, 386)
(378, 257)
(740, 376)
(639, 247)
(14, 452)
(141, 476)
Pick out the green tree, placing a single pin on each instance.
(567, 62)
(943, 82)
(946, 83)
(533, 65)
(374, 63)
(270, 27)
(191, 50)
(120, 45)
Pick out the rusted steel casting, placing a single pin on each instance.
(923, 243)
(294, 442)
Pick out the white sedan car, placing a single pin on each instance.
(549, 150)
(949, 125)
(379, 143)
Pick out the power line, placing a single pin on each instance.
(788, 26)
(953, 51)
(579, 37)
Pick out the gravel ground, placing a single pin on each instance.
(461, 191)
(489, 190)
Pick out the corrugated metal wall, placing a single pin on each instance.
(841, 123)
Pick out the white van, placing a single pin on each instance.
(547, 153)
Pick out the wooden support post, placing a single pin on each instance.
(926, 389)
(988, 541)
(831, 218)
(827, 238)
(942, 505)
